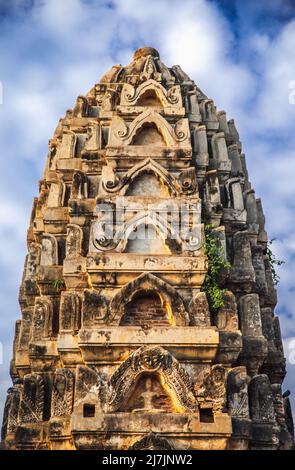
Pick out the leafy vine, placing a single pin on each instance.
(217, 264)
(274, 262)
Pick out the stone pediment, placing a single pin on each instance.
(179, 316)
(123, 133)
(182, 183)
(152, 360)
(134, 99)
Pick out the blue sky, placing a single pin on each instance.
(240, 53)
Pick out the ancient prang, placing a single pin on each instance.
(118, 346)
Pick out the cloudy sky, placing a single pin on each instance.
(240, 53)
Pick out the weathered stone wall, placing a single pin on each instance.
(97, 361)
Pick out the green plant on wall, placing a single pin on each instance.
(217, 264)
(274, 262)
(58, 284)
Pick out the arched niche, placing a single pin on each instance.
(170, 298)
(168, 377)
(147, 308)
(49, 250)
(148, 134)
(45, 319)
(152, 234)
(149, 98)
(151, 119)
(124, 133)
(148, 183)
(161, 181)
(148, 176)
(147, 240)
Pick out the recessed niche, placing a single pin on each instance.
(148, 396)
(147, 184)
(206, 415)
(149, 135)
(88, 411)
(145, 309)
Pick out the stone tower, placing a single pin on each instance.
(118, 346)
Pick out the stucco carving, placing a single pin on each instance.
(174, 302)
(121, 316)
(123, 134)
(152, 360)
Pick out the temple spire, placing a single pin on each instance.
(147, 294)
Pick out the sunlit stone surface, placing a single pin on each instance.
(117, 347)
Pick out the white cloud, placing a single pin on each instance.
(52, 15)
(274, 111)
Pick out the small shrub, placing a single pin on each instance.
(217, 264)
(58, 284)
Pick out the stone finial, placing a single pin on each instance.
(250, 317)
(242, 269)
(227, 317)
(237, 392)
(145, 52)
(261, 399)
